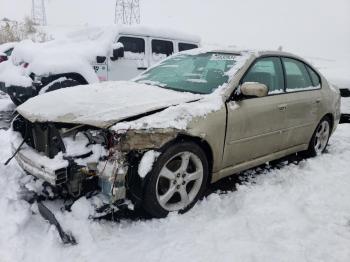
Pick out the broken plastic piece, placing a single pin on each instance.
(50, 217)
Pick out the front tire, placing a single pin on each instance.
(178, 179)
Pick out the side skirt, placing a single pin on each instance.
(228, 171)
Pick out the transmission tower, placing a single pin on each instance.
(127, 12)
(39, 12)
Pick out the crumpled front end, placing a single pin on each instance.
(75, 160)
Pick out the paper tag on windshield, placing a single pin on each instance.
(220, 57)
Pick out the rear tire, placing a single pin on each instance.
(320, 138)
(178, 179)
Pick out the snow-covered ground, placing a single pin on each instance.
(300, 212)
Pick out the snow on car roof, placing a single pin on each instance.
(89, 42)
(158, 32)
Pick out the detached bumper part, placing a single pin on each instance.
(50, 217)
(55, 177)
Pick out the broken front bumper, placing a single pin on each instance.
(52, 171)
(58, 172)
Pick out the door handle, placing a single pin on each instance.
(142, 68)
(282, 107)
(318, 100)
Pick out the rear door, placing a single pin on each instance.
(254, 125)
(135, 59)
(303, 102)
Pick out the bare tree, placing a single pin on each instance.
(12, 31)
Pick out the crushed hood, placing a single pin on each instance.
(101, 105)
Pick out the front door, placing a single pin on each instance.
(134, 61)
(254, 125)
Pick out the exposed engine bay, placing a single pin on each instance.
(75, 160)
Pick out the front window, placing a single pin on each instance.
(267, 71)
(202, 73)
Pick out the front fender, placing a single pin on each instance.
(139, 140)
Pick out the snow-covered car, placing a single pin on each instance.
(89, 56)
(161, 139)
(6, 50)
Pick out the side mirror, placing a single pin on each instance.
(117, 51)
(254, 89)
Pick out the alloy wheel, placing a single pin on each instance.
(179, 181)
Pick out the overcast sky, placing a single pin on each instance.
(318, 28)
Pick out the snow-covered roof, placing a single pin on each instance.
(158, 32)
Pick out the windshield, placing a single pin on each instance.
(201, 73)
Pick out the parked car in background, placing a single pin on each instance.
(345, 105)
(6, 51)
(89, 56)
(160, 139)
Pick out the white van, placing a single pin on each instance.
(142, 48)
(90, 56)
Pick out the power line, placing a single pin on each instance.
(127, 12)
(39, 12)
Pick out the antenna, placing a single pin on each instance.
(39, 12)
(127, 12)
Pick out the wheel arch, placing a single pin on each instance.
(331, 118)
(203, 144)
(75, 76)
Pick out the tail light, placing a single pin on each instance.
(3, 58)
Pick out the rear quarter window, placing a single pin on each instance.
(315, 78)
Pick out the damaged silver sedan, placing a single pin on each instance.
(162, 138)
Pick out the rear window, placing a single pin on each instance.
(133, 44)
(186, 46)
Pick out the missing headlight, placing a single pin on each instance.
(96, 137)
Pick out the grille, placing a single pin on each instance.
(44, 138)
(61, 176)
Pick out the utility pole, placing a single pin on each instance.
(39, 12)
(127, 12)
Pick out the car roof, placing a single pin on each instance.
(234, 50)
(165, 33)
